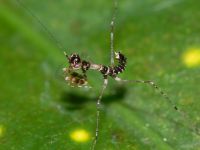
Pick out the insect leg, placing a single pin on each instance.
(112, 23)
(105, 83)
(191, 126)
(154, 85)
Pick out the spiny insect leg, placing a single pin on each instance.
(112, 23)
(105, 83)
(154, 85)
(191, 126)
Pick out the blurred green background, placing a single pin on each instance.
(38, 110)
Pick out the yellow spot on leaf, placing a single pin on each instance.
(191, 58)
(80, 135)
(2, 129)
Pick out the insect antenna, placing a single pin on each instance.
(52, 37)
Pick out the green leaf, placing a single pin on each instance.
(160, 39)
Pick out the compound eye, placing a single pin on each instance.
(75, 60)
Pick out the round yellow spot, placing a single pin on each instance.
(191, 58)
(80, 135)
(2, 129)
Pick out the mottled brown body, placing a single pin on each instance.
(80, 79)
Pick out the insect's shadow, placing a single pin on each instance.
(74, 101)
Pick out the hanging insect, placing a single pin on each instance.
(75, 74)
(80, 79)
(76, 63)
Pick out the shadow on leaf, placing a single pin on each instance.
(74, 101)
